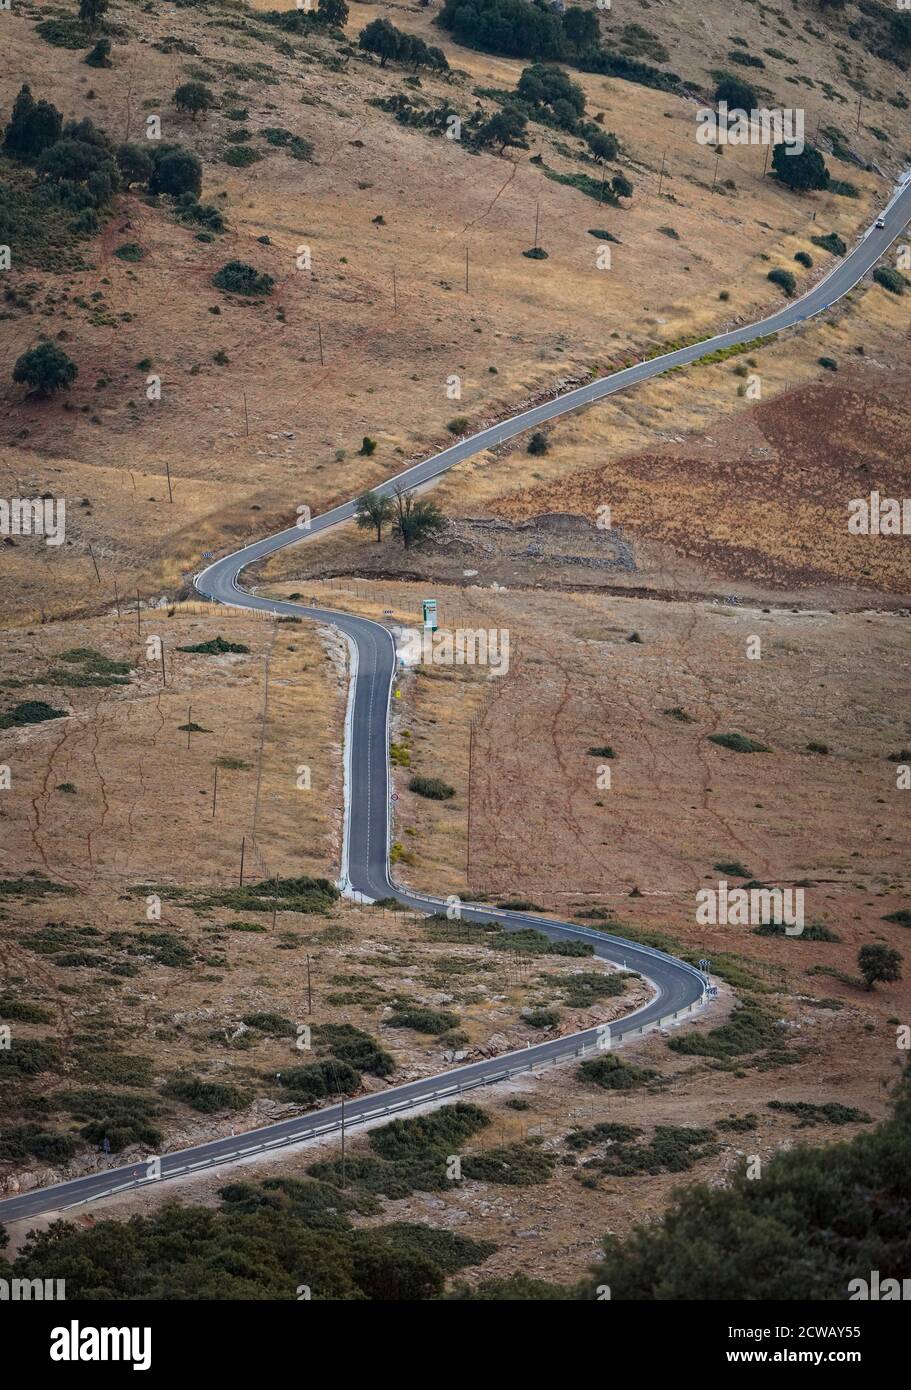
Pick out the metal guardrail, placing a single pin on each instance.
(408, 1103)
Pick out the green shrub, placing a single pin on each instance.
(612, 1074)
(675, 712)
(116, 1068)
(784, 278)
(30, 712)
(46, 368)
(513, 1165)
(355, 1047)
(421, 1018)
(204, 1096)
(748, 1030)
(830, 1113)
(29, 1057)
(217, 646)
(67, 32)
(275, 1025)
(328, 1077)
(22, 1012)
(738, 743)
(890, 279)
(239, 278)
(122, 1119)
(541, 1018)
(831, 242)
(434, 788)
(804, 258)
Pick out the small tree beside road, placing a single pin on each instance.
(416, 518)
(371, 511)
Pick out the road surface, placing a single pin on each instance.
(678, 987)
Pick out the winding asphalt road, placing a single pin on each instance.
(678, 987)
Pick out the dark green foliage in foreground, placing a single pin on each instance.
(819, 1218)
(267, 1241)
(30, 712)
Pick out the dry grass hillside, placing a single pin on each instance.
(249, 417)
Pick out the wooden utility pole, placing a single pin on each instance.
(661, 175)
(243, 846)
(310, 983)
(859, 104)
(95, 563)
(601, 194)
(138, 619)
(717, 161)
(466, 269)
(246, 416)
(168, 471)
(537, 215)
(215, 791)
(164, 678)
(116, 599)
(395, 293)
(319, 330)
(189, 723)
(766, 161)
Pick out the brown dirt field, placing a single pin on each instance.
(143, 796)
